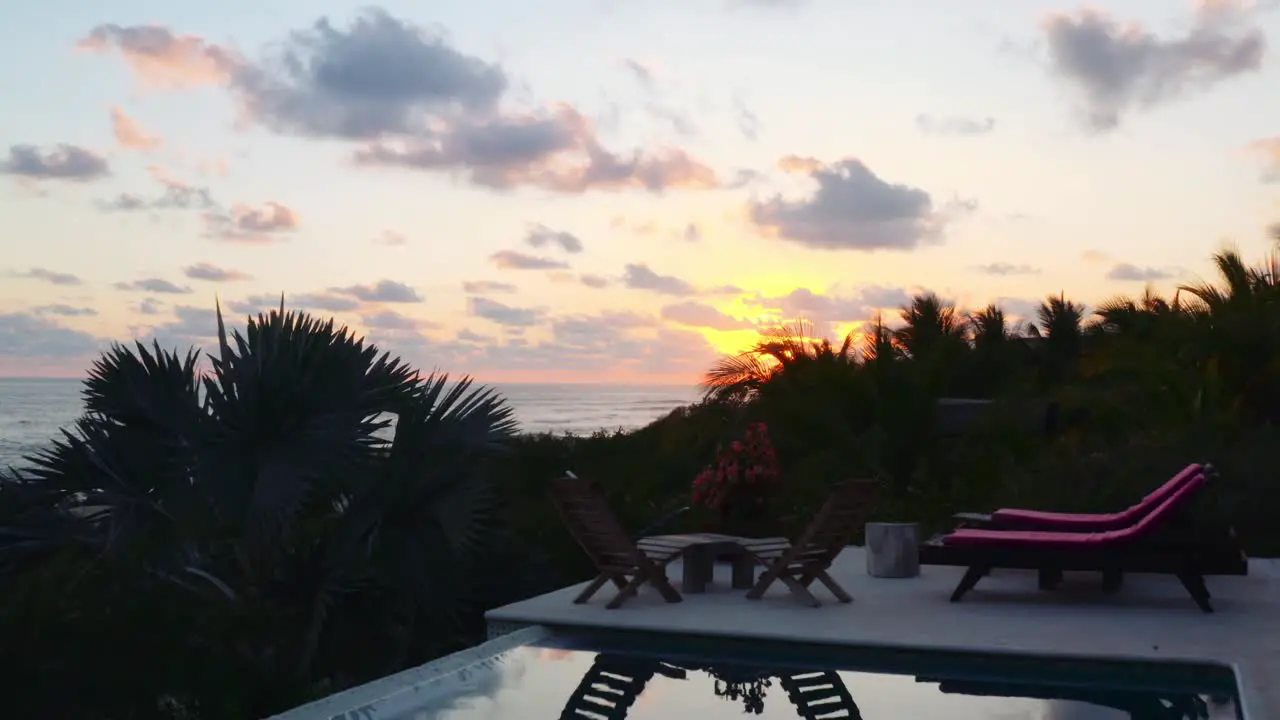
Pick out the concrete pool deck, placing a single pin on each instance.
(1151, 618)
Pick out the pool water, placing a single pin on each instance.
(575, 677)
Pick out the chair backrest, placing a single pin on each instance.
(1166, 511)
(1154, 498)
(843, 514)
(586, 514)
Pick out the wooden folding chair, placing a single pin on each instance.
(797, 564)
(586, 514)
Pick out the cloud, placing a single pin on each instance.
(480, 287)
(191, 326)
(162, 59)
(49, 276)
(306, 302)
(391, 320)
(248, 224)
(691, 233)
(1129, 271)
(501, 314)
(131, 135)
(63, 162)
(1094, 256)
(153, 285)
(853, 209)
(696, 314)
(642, 73)
(593, 281)
(858, 306)
(213, 273)
(177, 195)
(387, 291)
(541, 235)
(30, 336)
(468, 336)
(1004, 268)
(1119, 68)
(955, 125)
(64, 310)
(748, 122)
(150, 306)
(641, 277)
(513, 260)
(1269, 150)
(391, 238)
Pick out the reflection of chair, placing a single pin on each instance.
(1140, 705)
(611, 687)
(819, 693)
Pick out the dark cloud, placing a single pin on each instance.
(380, 76)
(640, 71)
(593, 281)
(150, 306)
(513, 260)
(248, 224)
(1131, 272)
(472, 337)
(387, 291)
(1004, 268)
(153, 285)
(696, 314)
(1119, 68)
(65, 310)
(641, 277)
(63, 162)
(49, 276)
(213, 273)
(481, 287)
(541, 235)
(954, 125)
(26, 335)
(501, 314)
(853, 209)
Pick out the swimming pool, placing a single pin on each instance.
(539, 673)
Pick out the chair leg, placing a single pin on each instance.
(625, 593)
(1194, 583)
(1195, 586)
(835, 589)
(799, 590)
(971, 578)
(770, 575)
(595, 586)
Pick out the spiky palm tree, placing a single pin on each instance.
(930, 326)
(786, 350)
(256, 512)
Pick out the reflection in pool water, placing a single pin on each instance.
(578, 684)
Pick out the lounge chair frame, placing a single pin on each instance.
(799, 564)
(586, 514)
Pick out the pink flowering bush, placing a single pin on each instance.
(744, 474)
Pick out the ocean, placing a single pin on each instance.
(31, 411)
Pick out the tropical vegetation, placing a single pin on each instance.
(231, 534)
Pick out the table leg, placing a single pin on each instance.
(744, 571)
(697, 570)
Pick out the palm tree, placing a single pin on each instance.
(930, 326)
(1060, 322)
(785, 351)
(256, 509)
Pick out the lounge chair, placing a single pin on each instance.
(1152, 545)
(586, 514)
(1019, 519)
(798, 564)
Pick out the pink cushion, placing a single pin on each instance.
(1083, 522)
(966, 537)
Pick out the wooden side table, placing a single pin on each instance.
(699, 552)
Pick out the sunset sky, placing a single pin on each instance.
(612, 190)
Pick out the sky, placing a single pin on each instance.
(612, 190)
